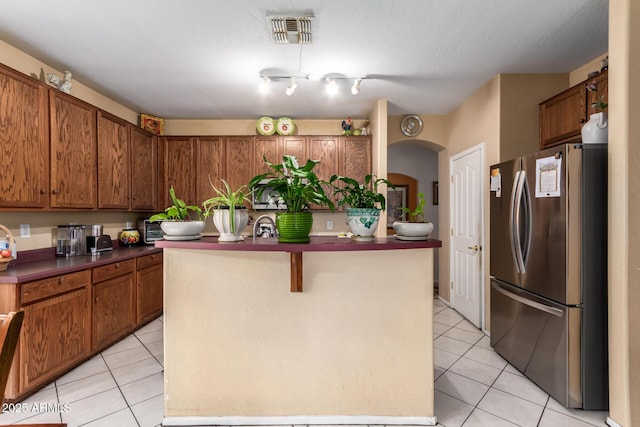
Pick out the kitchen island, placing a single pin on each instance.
(329, 332)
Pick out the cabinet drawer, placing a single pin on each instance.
(149, 260)
(56, 285)
(113, 270)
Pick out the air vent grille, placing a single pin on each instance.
(291, 30)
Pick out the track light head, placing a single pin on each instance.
(292, 87)
(355, 89)
(332, 87)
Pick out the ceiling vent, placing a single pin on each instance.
(291, 29)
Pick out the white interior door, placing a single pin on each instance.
(467, 240)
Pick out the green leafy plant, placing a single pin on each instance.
(226, 198)
(416, 215)
(179, 211)
(298, 187)
(354, 194)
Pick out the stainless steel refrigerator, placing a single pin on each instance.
(548, 270)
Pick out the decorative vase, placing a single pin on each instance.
(230, 227)
(412, 230)
(294, 227)
(129, 236)
(595, 131)
(363, 223)
(182, 230)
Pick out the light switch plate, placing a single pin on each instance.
(25, 230)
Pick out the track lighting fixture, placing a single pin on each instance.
(292, 87)
(355, 89)
(331, 81)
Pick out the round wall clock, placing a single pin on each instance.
(411, 125)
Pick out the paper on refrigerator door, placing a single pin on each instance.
(548, 173)
(495, 181)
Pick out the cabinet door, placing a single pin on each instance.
(295, 146)
(209, 166)
(149, 293)
(144, 170)
(269, 147)
(73, 152)
(355, 157)
(178, 169)
(113, 310)
(239, 165)
(324, 149)
(562, 117)
(24, 141)
(56, 335)
(113, 162)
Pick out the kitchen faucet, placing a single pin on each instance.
(264, 233)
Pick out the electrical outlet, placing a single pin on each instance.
(329, 225)
(25, 230)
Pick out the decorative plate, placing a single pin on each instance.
(266, 126)
(411, 125)
(285, 126)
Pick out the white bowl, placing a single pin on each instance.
(182, 228)
(413, 229)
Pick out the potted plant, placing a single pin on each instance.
(416, 228)
(178, 221)
(363, 201)
(230, 216)
(297, 187)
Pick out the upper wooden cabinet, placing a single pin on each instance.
(562, 117)
(354, 157)
(144, 169)
(239, 161)
(209, 165)
(178, 169)
(24, 141)
(73, 152)
(113, 162)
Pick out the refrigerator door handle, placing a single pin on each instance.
(525, 198)
(542, 307)
(516, 238)
(513, 225)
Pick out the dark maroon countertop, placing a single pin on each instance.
(50, 265)
(317, 244)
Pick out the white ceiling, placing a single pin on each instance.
(203, 58)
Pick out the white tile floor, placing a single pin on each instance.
(475, 387)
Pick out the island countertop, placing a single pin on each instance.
(317, 244)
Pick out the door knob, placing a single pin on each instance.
(474, 248)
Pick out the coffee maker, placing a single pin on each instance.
(70, 240)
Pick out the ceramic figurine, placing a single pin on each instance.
(63, 84)
(346, 126)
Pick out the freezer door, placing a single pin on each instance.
(540, 338)
(502, 262)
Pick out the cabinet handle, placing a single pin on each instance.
(582, 121)
(61, 281)
(43, 191)
(54, 191)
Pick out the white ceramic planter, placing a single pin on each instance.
(413, 229)
(595, 131)
(182, 228)
(363, 222)
(230, 232)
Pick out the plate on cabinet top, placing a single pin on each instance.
(285, 126)
(266, 126)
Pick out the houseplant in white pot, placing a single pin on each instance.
(363, 201)
(230, 216)
(416, 228)
(180, 221)
(298, 188)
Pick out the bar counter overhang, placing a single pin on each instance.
(329, 332)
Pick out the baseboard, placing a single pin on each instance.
(299, 420)
(445, 302)
(612, 423)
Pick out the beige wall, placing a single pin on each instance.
(624, 205)
(248, 127)
(520, 95)
(581, 74)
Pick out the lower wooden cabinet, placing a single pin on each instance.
(56, 328)
(113, 309)
(149, 297)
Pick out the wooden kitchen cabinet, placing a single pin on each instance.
(561, 117)
(149, 293)
(239, 160)
(113, 309)
(144, 170)
(73, 152)
(324, 149)
(55, 332)
(24, 141)
(113, 162)
(209, 165)
(274, 147)
(354, 157)
(178, 169)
